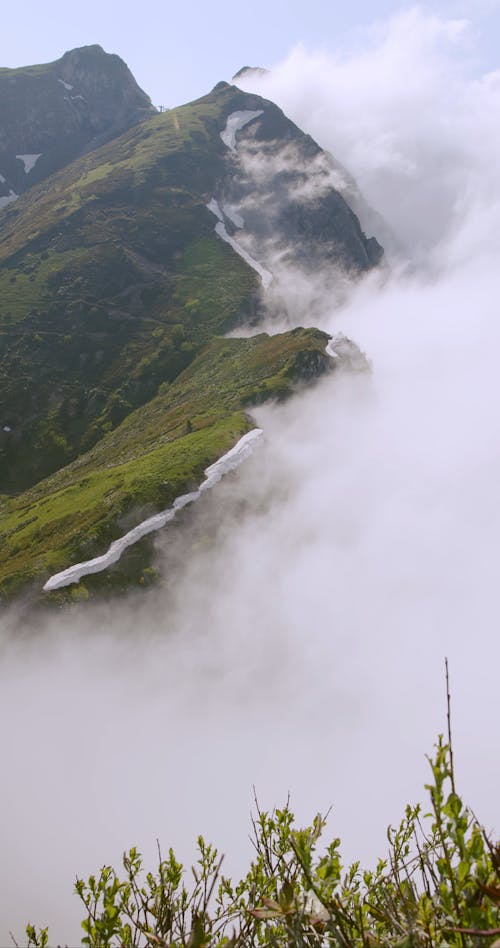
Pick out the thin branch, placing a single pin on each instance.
(484, 933)
(448, 715)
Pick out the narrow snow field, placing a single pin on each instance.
(232, 214)
(11, 196)
(29, 161)
(228, 462)
(235, 122)
(264, 274)
(65, 84)
(220, 230)
(214, 207)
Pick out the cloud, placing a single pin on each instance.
(405, 115)
(297, 638)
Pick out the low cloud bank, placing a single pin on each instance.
(296, 641)
(408, 113)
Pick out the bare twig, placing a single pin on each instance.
(448, 715)
(479, 933)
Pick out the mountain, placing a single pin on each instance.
(119, 269)
(50, 114)
(158, 453)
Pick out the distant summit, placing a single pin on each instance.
(51, 114)
(248, 72)
(122, 268)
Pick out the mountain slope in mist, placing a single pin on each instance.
(158, 453)
(118, 269)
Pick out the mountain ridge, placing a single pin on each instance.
(120, 268)
(53, 112)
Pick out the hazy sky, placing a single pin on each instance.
(178, 51)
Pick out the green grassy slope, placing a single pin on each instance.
(116, 390)
(157, 453)
(111, 279)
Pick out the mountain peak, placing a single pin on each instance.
(93, 49)
(54, 112)
(248, 72)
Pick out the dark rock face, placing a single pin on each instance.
(51, 114)
(288, 193)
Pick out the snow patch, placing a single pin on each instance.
(213, 474)
(65, 84)
(11, 196)
(237, 220)
(73, 97)
(214, 207)
(29, 161)
(235, 122)
(232, 214)
(6, 428)
(350, 355)
(264, 274)
(226, 211)
(2, 179)
(330, 351)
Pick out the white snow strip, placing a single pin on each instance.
(232, 214)
(213, 474)
(29, 161)
(226, 211)
(73, 97)
(330, 350)
(235, 122)
(6, 428)
(65, 84)
(264, 274)
(11, 196)
(214, 207)
(2, 179)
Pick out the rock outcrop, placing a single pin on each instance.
(52, 113)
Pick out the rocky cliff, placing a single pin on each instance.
(52, 113)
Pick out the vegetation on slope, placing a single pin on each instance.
(438, 886)
(111, 279)
(59, 110)
(112, 284)
(157, 453)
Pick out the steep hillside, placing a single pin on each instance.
(117, 274)
(50, 114)
(158, 453)
(112, 274)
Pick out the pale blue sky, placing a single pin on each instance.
(178, 51)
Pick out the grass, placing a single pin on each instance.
(157, 453)
(43, 534)
(111, 280)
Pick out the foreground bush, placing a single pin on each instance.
(440, 885)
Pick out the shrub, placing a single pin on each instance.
(439, 886)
